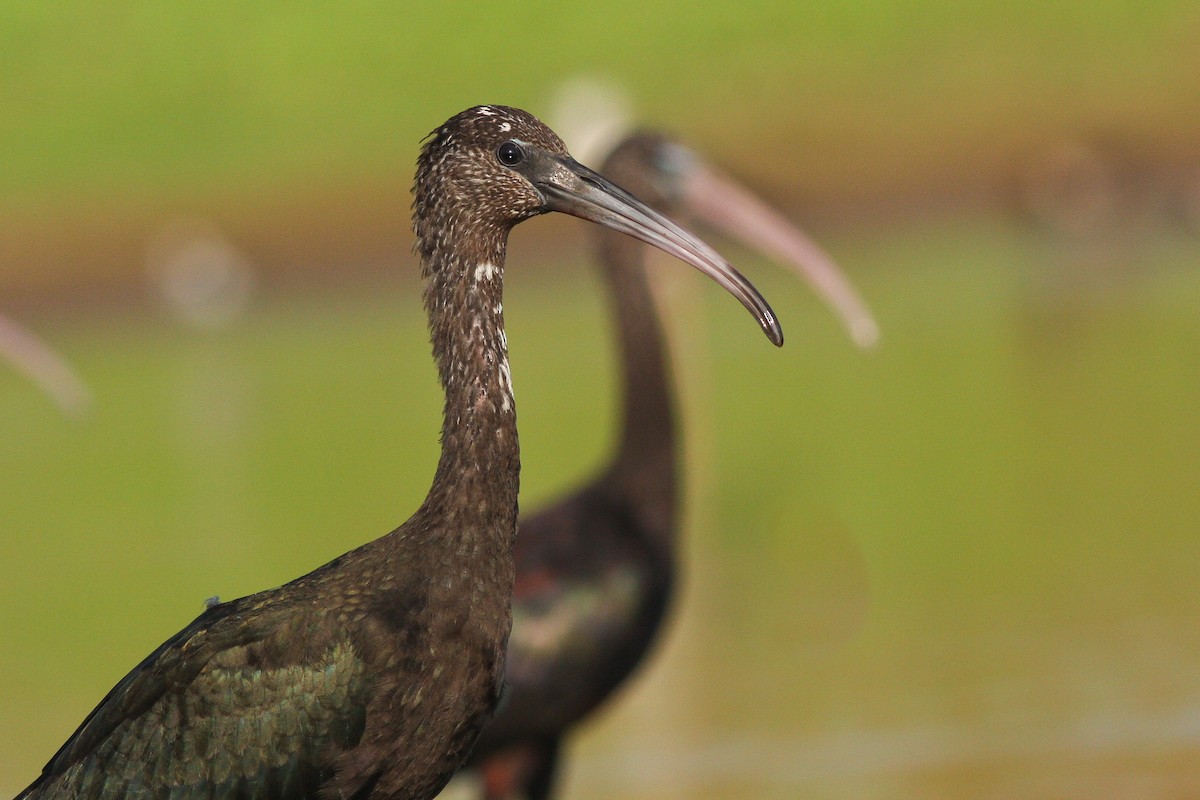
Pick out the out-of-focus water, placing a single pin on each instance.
(963, 565)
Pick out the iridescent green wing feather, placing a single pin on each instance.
(214, 714)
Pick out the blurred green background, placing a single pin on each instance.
(962, 565)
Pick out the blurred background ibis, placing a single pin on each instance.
(595, 570)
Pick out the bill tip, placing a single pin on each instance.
(774, 331)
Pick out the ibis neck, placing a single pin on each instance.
(478, 472)
(645, 463)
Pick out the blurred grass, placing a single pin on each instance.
(144, 100)
(987, 528)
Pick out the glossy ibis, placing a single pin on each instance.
(371, 676)
(595, 571)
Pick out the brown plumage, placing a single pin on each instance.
(596, 570)
(371, 676)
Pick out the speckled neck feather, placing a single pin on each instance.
(462, 259)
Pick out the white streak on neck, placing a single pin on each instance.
(506, 402)
(486, 271)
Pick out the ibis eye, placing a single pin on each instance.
(510, 154)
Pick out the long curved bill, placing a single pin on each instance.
(727, 206)
(44, 367)
(572, 188)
